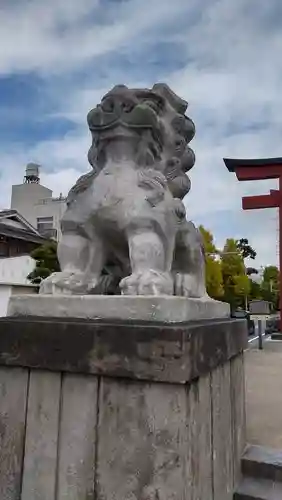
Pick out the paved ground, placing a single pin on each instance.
(264, 394)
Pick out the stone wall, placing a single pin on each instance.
(90, 410)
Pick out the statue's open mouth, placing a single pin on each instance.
(126, 116)
(119, 130)
(140, 116)
(128, 127)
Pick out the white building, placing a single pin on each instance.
(37, 205)
(13, 279)
(17, 240)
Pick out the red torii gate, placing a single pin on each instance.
(259, 169)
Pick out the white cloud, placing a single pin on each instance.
(232, 79)
(59, 35)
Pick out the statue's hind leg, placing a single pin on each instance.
(81, 257)
(189, 262)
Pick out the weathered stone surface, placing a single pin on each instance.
(260, 461)
(156, 309)
(77, 438)
(199, 439)
(161, 352)
(13, 401)
(127, 217)
(262, 474)
(41, 443)
(276, 336)
(203, 445)
(238, 413)
(222, 433)
(120, 433)
(258, 489)
(143, 442)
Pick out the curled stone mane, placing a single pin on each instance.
(179, 130)
(173, 158)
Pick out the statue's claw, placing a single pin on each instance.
(68, 283)
(148, 282)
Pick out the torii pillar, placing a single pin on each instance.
(253, 170)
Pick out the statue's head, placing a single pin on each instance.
(148, 125)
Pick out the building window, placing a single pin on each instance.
(44, 224)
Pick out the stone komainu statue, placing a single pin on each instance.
(125, 228)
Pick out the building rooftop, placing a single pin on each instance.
(14, 225)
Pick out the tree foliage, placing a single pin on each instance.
(227, 277)
(245, 249)
(235, 281)
(255, 291)
(214, 281)
(271, 273)
(270, 285)
(242, 286)
(46, 262)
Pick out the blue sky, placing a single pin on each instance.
(58, 58)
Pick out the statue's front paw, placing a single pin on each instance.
(67, 283)
(51, 285)
(149, 282)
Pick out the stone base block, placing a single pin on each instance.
(121, 410)
(276, 336)
(171, 353)
(164, 309)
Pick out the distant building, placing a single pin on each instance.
(17, 235)
(37, 205)
(17, 239)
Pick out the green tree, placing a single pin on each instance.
(235, 281)
(247, 252)
(270, 285)
(214, 281)
(242, 286)
(255, 290)
(271, 273)
(245, 249)
(46, 262)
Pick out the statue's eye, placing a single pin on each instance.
(127, 106)
(153, 104)
(108, 105)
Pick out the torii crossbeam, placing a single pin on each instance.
(260, 169)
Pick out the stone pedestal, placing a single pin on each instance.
(121, 410)
(162, 309)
